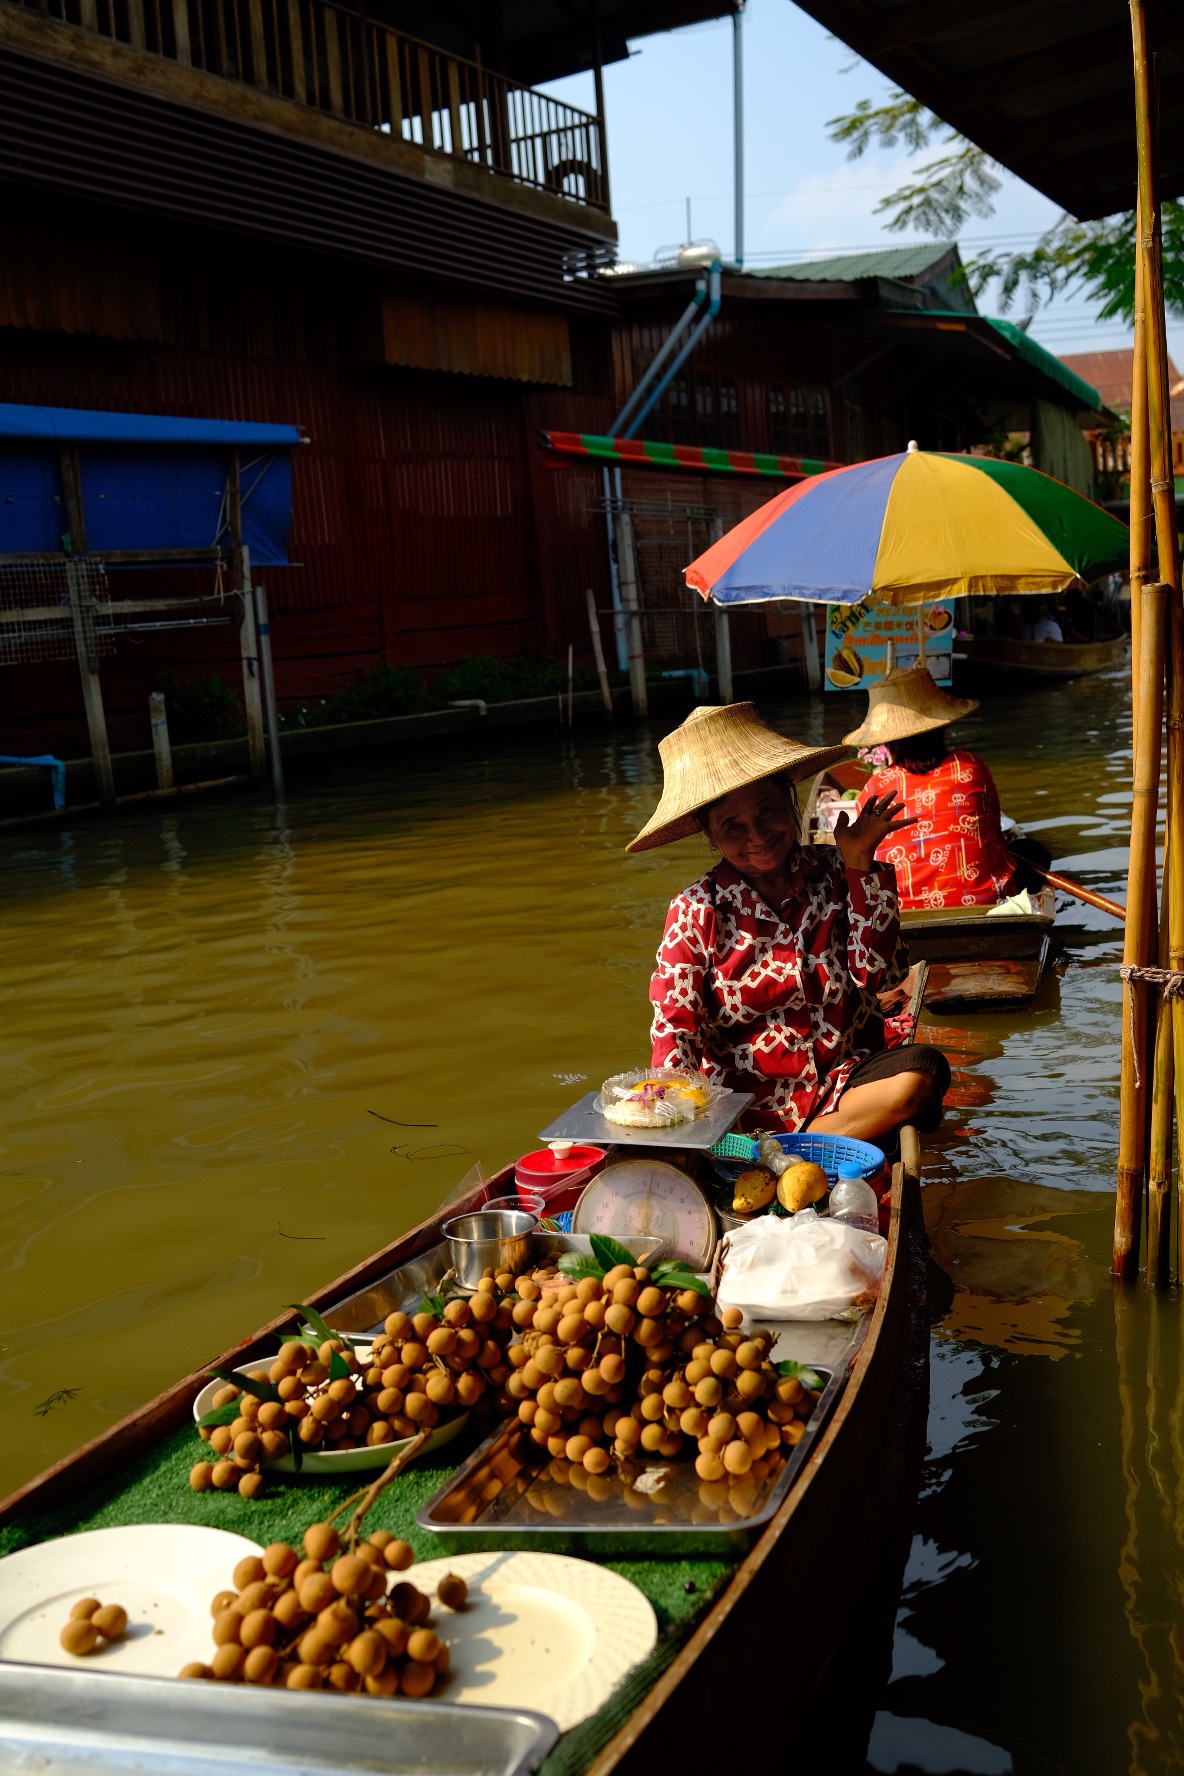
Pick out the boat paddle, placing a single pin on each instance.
(1113, 907)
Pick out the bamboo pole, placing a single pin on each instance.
(1138, 934)
(1169, 1040)
(1148, 618)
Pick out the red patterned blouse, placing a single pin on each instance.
(781, 1004)
(955, 855)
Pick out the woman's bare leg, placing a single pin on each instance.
(867, 1111)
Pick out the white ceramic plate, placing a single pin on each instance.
(164, 1574)
(337, 1461)
(540, 1631)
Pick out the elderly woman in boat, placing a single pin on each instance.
(953, 853)
(771, 962)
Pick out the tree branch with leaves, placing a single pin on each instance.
(1095, 258)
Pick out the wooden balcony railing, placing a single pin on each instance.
(338, 61)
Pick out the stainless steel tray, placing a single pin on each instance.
(584, 1122)
(503, 1497)
(367, 1309)
(62, 1723)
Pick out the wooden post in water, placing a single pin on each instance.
(247, 635)
(1139, 935)
(1148, 622)
(1169, 1036)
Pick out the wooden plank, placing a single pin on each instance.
(258, 44)
(296, 53)
(456, 144)
(88, 15)
(184, 49)
(426, 101)
(135, 24)
(1045, 659)
(394, 81)
(989, 984)
(333, 61)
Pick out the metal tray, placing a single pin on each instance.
(503, 1497)
(365, 1311)
(584, 1122)
(62, 1723)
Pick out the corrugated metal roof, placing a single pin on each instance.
(891, 262)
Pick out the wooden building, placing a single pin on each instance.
(367, 224)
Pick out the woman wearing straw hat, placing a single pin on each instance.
(954, 853)
(770, 964)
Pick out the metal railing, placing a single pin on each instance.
(338, 61)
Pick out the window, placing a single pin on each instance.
(682, 423)
(729, 415)
(705, 426)
(819, 424)
(778, 427)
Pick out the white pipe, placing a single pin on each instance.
(738, 131)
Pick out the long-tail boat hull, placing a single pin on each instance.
(764, 1645)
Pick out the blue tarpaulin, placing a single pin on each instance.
(149, 481)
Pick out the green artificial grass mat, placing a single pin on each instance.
(156, 1489)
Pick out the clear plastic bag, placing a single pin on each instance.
(803, 1268)
(656, 1097)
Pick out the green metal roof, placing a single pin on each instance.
(891, 262)
(1035, 354)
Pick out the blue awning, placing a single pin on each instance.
(80, 425)
(149, 481)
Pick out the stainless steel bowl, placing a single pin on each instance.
(497, 1238)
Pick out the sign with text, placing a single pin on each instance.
(857, 637)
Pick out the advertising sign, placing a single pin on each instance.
(857, 637)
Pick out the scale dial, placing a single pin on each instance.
(648, 1196)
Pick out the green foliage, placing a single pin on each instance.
(201, 709)
(609, 1251)
(390, 690)
(502, 681)
(1096, 259)
(961, 183)
(808, 1377)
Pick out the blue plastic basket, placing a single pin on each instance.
(731, 1155)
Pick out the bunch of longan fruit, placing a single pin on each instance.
(92, 1626)
(328, 1622)
(422, 1364)
(583, 1351)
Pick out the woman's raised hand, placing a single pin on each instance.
(859, 839)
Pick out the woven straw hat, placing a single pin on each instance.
(905, 703)
(715, 751)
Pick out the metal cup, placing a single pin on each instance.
(497, 1238)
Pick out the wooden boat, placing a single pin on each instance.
(1043, 659)
(978, 959)
(785, 1609)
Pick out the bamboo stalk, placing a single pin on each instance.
(1136, 1058)
(1159, 1152)
(1169, 1040)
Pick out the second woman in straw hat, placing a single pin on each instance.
(770, 963)
(953, 853)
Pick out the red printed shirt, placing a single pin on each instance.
(955, 855)
(778, 1003)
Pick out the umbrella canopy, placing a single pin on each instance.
(910, 528)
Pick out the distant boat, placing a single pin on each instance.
(1043, 659)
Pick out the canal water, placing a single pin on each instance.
(241, 1050)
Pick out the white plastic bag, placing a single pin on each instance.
(806, 1267)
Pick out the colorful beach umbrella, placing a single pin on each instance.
(911, 528)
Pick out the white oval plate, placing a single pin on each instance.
(336, 1461)
(164, 1574)
(539, 1631)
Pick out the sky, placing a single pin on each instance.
(669, 110)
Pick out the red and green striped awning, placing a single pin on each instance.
(683, 456)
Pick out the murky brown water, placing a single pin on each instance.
(207, 1014)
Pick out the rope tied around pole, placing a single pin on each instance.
(1170, 984)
